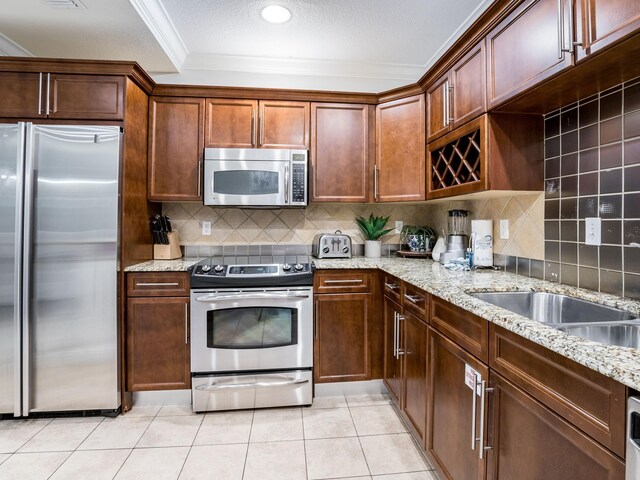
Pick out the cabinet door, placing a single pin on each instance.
(284, 124)
(392, 368)
(339, 152)
(176, 148)
(231, 123)
(400, 141)
(342, 349)
(438, 108)
(530, 442)
(414, 348)
(86, 97)
(600, 23)
(527, 48)
(450, 433)
(469, 86)
(158, 343)
(22, 95)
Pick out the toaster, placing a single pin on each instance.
(332, 245)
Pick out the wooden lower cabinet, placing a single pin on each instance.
(414, 350)
(392, 369)
(450, 411)
(530, 442)
(158, 351)
(342, 347)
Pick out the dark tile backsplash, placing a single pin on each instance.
(592, 169)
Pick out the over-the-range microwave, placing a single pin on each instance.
(255, 177)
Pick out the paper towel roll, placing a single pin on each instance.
(483, 242)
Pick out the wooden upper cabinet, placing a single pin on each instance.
(255, 124)
(94, 97)
(176, 148)
(400, 152)
(231, 123)
(527, 48)
(283, 124)
(438, 108)
(62, 96)
(340, 152)
(22, 95)
(459, 95)
(600, 23)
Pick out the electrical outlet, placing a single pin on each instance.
(592, 231)
(399, 225)
(504, 229)
(206, 228)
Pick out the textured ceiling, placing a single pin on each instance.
(358, 45)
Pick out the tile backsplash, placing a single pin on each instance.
(592, 169)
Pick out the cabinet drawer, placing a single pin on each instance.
(157, 284)
(416, 301)
(341, 281)
(464, 328)
(392, 287)
(589, 400)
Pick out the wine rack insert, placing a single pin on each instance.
(456, 162)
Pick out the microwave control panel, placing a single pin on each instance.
(299, 182)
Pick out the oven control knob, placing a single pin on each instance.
(206, 268)
(298, 267)
(218, 268)
(286, 267)
(345, 249)
(325, 250)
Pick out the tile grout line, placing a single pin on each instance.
(191, 446)
(359, 442)
(304, 444)
(246, 455)
(75, 449)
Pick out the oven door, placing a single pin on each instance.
(251, 329)
(246, 182)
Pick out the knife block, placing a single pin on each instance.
(168, 252)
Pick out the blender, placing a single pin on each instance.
(457, 239)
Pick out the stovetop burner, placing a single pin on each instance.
(209, 273)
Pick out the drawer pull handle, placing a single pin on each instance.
(413, 298)
(392, 286)
(289, 382)
(344, 281)
(157, 284)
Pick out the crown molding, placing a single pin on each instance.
(9, 48)
(154, 15)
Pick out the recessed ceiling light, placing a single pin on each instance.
(276, 14)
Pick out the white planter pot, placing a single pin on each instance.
(373, 248)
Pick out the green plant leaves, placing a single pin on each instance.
(373, 227)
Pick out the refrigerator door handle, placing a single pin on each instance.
(27, 214)
(17, 274)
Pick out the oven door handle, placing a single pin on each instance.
(232, 386)
(252, 296)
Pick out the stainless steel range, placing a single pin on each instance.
(251, 335)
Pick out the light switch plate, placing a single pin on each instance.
(399, 225)
(206, 228)
(504, 229)
(593, 231)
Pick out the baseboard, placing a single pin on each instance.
(349, 388)
(162, 397)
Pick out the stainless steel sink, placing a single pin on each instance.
(553, 308)
(622, 335)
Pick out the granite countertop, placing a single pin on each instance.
(620, 363)
(177, 265)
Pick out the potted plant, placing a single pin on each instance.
(372, 229)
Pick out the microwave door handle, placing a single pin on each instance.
(286, 184)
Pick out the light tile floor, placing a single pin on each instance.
(356, 437)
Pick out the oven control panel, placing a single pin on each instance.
(251, 271)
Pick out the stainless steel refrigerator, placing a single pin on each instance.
(58, 268)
